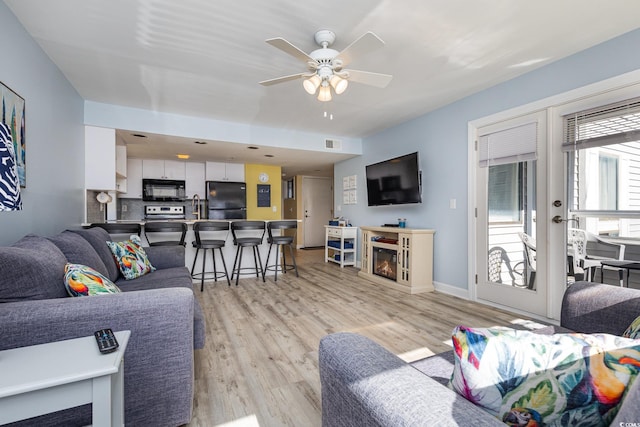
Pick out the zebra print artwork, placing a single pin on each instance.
(9, 182)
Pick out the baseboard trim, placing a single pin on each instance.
(452, 290)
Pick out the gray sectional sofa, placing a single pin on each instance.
(159, 309)
(363, 384)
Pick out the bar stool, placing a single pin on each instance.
(281, 241)
(120, 228)
(203, 229)
(244, 235)
(167, 231)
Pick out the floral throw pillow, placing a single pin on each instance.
(81, 280)
(527, 379)
(633, 331)
(131, 257)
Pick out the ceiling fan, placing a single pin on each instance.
(325, 65)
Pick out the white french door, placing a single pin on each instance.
(511, 221)
(545, 195)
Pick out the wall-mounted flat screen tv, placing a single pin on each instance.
(395, 181)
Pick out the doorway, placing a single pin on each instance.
(510, 186)
(582, 197)
(317, 204)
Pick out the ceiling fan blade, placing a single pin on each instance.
(283, 79)
(290, 49)
(367, 78)
(367, 43)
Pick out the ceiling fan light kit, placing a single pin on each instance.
(325, 64)
(324, 94)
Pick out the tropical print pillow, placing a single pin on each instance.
(633, 331)
(80, 280)
(527, 379)
(131, 257)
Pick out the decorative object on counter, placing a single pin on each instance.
(204, 231)
(280, 242)
(402, 222)
(104, 198)
(171, 233)
(195, 206)
(131, 257)
(13, 113)
(241, 239)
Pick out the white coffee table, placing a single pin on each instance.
(45, 378)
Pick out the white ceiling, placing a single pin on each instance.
(205, 57)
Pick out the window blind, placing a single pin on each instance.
(513, 145)
(610, 124)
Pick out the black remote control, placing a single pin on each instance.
(107, 342)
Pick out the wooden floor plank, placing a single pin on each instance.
(259, 366)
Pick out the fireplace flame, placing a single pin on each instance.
(385, 269)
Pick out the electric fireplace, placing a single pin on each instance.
(385, 263)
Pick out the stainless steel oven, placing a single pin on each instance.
(163, 190)
(161, 212)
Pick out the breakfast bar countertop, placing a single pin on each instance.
(190, 252)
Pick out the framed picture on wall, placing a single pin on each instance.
(12, 149)
(13, 109)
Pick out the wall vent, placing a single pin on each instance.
(332, 144)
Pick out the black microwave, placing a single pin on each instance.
(163, 190)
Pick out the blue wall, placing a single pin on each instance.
(441, 138)
(54, 197)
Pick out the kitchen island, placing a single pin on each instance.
(229, 250)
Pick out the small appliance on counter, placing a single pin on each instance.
(226, 200)
(163, 190)
(161, 212)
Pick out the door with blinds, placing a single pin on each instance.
(511, 177)
(602, 152)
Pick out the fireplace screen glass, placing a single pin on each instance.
(385, 263)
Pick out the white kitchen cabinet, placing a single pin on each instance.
(174, 169)
(100, 158)
(218, 171)
(133, 189)
(163, 169)
(195, 180)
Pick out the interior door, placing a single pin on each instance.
(511, 179)
(317, 201)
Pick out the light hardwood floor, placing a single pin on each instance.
(260, 363)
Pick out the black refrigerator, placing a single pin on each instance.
(226, 200)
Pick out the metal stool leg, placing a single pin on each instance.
(235, 261)
(194, 261)
(255, 260)
(277, 259)
(237, 271)
(224, 265)
(204, 261)
(259, 263)
(215, 270)
(284, 259)
(266, 263)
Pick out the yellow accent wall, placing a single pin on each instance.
(251, 177)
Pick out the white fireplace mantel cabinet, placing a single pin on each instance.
(410, 248)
